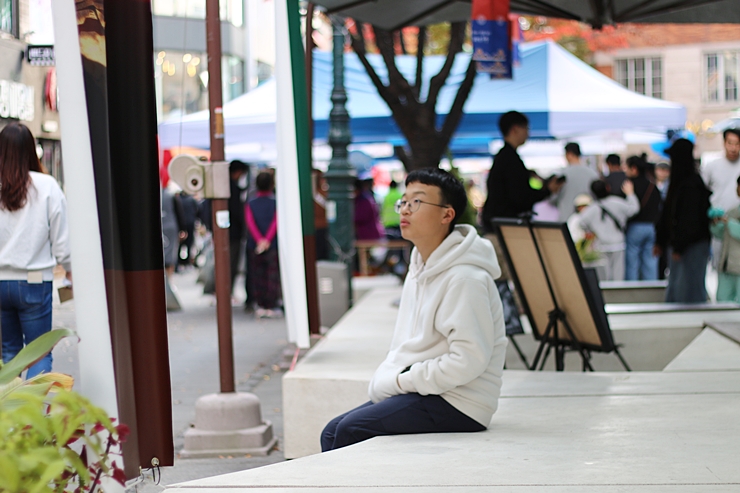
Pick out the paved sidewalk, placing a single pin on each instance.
(259, 354)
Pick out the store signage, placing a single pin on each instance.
(40, 55)
(16, 101)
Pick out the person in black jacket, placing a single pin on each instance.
(640, 263)
(683, 227)
(509, 191)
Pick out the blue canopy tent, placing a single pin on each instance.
(561, 95)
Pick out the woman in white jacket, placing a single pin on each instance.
(443, 371)
(33, 239)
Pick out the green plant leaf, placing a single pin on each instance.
(10, 478)
(32, 353)
(16, 397)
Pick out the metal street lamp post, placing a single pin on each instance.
(340, 175)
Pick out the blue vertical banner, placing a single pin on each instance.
(492, 47)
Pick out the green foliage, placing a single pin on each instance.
(470, 215)
(31, 353)
(52, 444)
(438, 39)
(586, 252)
(577, 46)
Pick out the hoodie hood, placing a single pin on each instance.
(461, 247)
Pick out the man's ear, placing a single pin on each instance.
(449, 215)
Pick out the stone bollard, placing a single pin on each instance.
(228, 424)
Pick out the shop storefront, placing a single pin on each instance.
(28, 93)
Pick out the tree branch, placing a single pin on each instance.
(358, 45)
(402, 156)
(421, 38)
(402, 40)
(456, 111)
(396, 80)
(457, 37)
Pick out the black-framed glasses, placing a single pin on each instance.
(413, 205)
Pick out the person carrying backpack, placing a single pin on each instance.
(606, 218)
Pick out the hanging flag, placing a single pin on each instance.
(295, 217)
(113, 132)
(492, 49)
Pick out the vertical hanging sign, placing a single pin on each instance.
(492, 48)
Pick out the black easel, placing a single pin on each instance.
(555, 317)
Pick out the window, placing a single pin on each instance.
(181, 81)
(231, 10)
(7, 16)
(721, 77)
(642, 75)
(232, 77)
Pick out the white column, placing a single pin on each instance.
(97, 378)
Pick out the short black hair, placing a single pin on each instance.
(452, 189)
(600, 189)
(735, 131)
(573, 148)
(511, 119)
(237, 165)
(265, 181)
(637, 162)
(613, 160)
(393, 184)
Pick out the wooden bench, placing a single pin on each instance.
(363, 248)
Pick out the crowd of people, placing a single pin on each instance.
(633, 221)
(636, 221)
(252, 238)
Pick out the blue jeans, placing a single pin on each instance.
(640, 265)
(686, 276)
(25, 315)
(398, 415)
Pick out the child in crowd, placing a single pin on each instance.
(726, 227)
(606, 218)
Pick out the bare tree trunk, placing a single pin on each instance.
(414, 112)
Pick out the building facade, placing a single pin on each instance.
(181, 72)
(28, 90)
(695, 65)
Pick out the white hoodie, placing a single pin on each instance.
(450, 329)
(35, 238)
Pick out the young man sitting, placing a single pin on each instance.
(443, 370)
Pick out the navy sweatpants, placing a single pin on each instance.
(398, 415)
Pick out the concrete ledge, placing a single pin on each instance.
(333, 377)
(631, 316)
(662, 432)
(633, 291)
(710, 350)
(566, 432)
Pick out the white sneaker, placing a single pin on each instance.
(261, 313)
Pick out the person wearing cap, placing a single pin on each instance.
(578, 179)
(720, 176)
(574, 221)
(683, 227)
